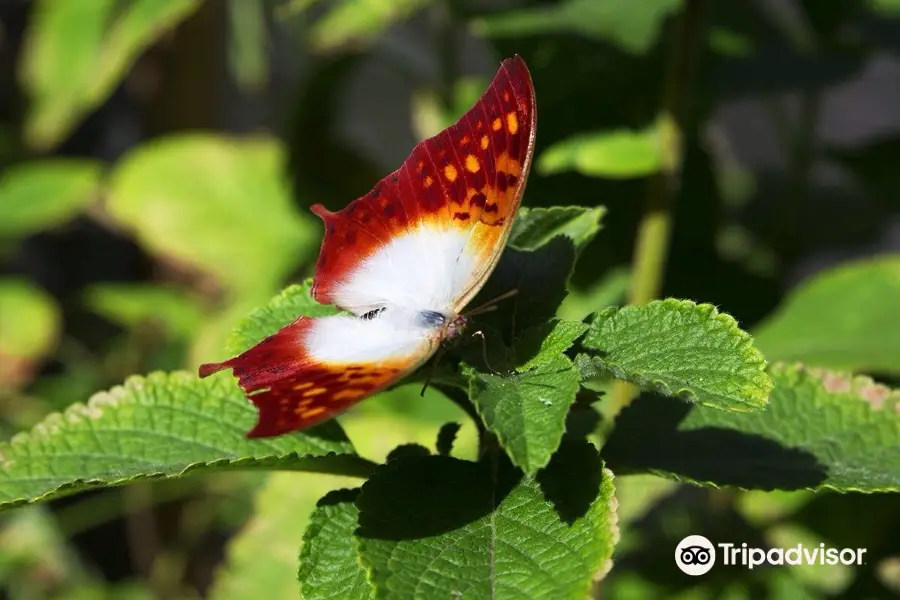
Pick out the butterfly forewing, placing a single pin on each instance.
(432, 231)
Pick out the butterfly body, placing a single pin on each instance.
(404, 260)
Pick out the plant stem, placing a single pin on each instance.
(654, 230)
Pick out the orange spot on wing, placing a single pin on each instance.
(512, 123)
(450, 173)
(497, 124)
(485, 142)
(312, 412)
(346, 394)
(428, 181)
(304, 385)
(315, 392)
(472, 164)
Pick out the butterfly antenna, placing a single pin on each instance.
(490, 304)
(484, 357)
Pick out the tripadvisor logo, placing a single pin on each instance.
(696, 555)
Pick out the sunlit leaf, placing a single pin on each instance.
(615, 154)
(40, 194)
(158, 426)
(77, 52)
(679, 348)
(217, 203)
(844, 318)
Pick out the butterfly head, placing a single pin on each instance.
(450, 326)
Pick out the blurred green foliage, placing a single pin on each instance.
(189, 137)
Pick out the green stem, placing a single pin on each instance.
(652, 243)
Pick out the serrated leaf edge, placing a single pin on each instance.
(753, 357)
(820, 374)
(93, 409)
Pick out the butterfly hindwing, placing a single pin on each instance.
(316, 368)
(434, 229)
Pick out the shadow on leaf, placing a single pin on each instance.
(571, 481)
(647, 438)
(414, 497)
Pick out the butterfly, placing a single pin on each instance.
(403, 260)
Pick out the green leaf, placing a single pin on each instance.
(159, 426)
(359, 22)
(617, 154)
(133, 304)
(437, 526)
(77, 52)
(294, 301)
(845, 318)
(632, 26)
(527, 410)
(526, 407)
(45, 193)
(534, 227)
(821, 430)
(281, 514)
(29, 319)
(217, 203)
(329, 568)
(679, 348)
(546, 343)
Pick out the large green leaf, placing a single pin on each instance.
(77, 52)
(219, 204)
(281, 513)
(632, 26)
(679, 348)
(159, 426)
(435, 526)
(822, 429)
(44, 193)
(329, 567)
(844, 318)
(526, 407)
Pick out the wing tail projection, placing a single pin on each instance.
(294, 384)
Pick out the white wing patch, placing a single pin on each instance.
(425, 269)
(345, 339)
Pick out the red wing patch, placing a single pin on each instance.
(292, 392)
(471, 176)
